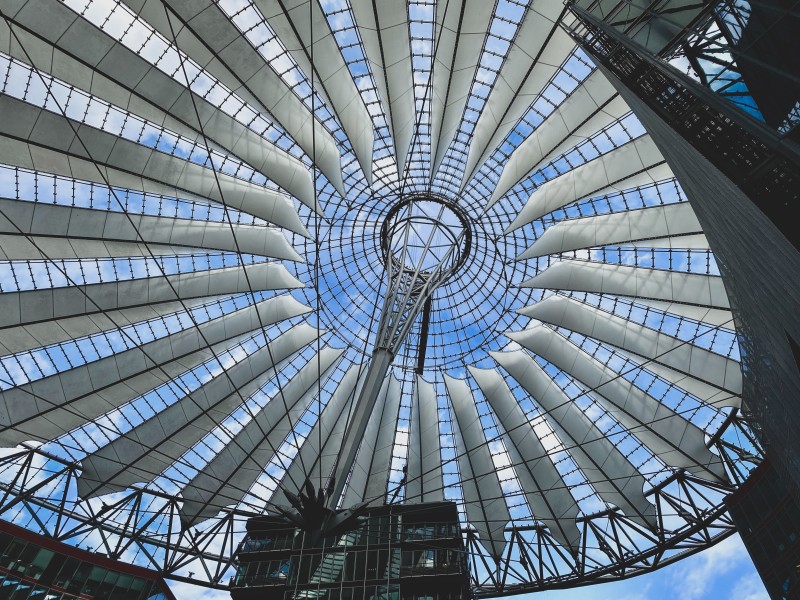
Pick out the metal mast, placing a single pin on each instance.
(424, 242)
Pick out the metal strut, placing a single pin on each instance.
(424, 242)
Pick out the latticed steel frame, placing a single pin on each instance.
(411, 286)
(147, 525)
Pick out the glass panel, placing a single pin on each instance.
(8, 586)
(22, 592)
(12, 554)
(40, 562)
(66, 572)
(78, 580)
(25, 559)
(138, 589)
(5, 540)
(94, 581)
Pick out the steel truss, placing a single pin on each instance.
(143, 526)
(413, 272)
(711, 46)
(410, 286)
(708, 50)
(748, 152)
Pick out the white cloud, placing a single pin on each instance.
(643, 594)
(749, 587)
(695, 579)
(187, 591)
(636, 588)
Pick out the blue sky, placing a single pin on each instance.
(723, 572)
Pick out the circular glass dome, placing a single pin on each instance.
(200, 224)
(423, 234)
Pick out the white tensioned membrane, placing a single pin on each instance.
(191, 200)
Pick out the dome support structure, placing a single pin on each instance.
(515, 299)
(424, 241)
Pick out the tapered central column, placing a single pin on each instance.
(424, 241)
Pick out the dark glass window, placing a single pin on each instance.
(68, 569)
